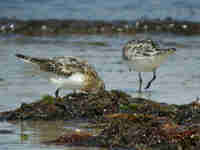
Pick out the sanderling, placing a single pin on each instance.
(145, 56)
(68, 72)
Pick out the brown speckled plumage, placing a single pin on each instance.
(92, 80)
(141, 48)
(66, 66)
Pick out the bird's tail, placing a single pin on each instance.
(24, 58)
(28, 59)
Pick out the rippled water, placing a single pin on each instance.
(177, 80)
(29, 135)
(105, 10)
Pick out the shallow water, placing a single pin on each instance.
(30, 135)
(177, 79)
(104, 10)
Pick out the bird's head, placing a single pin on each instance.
(93, 83)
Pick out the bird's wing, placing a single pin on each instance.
(140, 48)
(63, 65)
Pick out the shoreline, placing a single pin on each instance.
(52, 27)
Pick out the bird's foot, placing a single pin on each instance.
(56, 94)
(148, 85)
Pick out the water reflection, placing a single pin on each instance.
(40, 131)
(34, 133)
(31, 134)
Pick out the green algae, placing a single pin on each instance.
(24, 137)
(48, 99)
(91, 43)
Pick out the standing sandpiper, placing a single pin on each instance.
(145, 56)
(68, 72)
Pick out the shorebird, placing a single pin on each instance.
(145, 56)
(68, 72)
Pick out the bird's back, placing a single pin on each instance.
(140, 48)
(61, 65)
(144, 55)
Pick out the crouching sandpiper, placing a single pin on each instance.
(68, 72)
(145, 56)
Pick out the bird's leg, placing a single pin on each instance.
(57, 92)
(140, 81)
(154, 77)
(74, 91)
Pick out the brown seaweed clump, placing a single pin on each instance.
(144, 125)
(124, 122)
(148, 131)
(141, 132)
(72, 106)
